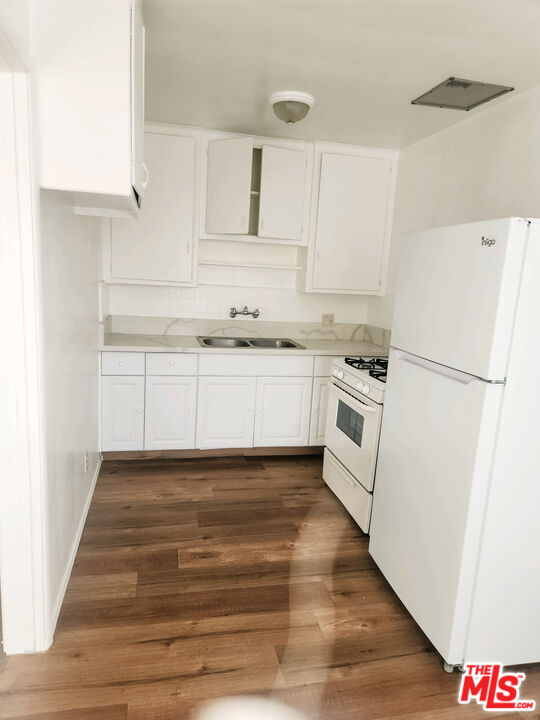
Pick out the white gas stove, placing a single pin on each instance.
(353, 422)
(367, 375)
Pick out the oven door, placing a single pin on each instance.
(352, 433)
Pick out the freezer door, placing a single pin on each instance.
(456, 294)
(437, 438)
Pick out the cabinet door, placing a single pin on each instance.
(228, 185)
(283, 191)
(225, 412)
(319, 406)
(282, 411)
(351, 222)
(122, 412)
(159, 245)
(170, 413)
(137, 98)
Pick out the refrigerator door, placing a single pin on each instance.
(437, 439)
(456, 294)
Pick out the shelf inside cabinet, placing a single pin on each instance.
(260, 266)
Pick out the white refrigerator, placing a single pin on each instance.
(455, 527)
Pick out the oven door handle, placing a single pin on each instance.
(347, 398)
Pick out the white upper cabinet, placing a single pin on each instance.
(88, 75)
(283, 191)
(256, 188)
(351, 220)
(139, 170)
(228, 185)
(160, 246)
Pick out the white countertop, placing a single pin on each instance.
(126, 342)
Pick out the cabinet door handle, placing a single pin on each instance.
(188, 248)
(251, 409)
(243, 220)
(146, 176)
(262, 223)
(318, 257)
(259, 408)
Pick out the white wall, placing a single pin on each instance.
(485, 167)
(70, 265)
(214, 301)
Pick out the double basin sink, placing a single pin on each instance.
(230, 342)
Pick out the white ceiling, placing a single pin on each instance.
(213, 63)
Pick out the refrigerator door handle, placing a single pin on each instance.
(448, 372)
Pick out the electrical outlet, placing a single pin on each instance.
(86, 462)
(328, 320)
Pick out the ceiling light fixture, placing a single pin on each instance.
(291, 106)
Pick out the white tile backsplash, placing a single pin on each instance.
(214, 302)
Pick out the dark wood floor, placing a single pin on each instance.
(202, 578)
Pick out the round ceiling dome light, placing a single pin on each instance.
(291, 106)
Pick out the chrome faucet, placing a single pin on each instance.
(234, 312)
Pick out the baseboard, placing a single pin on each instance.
(74, 548)
(218, 452)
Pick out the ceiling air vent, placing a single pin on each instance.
(458, 94)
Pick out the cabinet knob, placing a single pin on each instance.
(121, 363)
(172, 363)
(191, 410)
(139, 410)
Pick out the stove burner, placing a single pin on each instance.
(377, 367)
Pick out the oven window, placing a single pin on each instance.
(350, 422)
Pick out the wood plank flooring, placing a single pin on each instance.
(202, 578)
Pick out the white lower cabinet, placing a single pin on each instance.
(282, 411)
(171, 403)
(158, 401)
(319, 406)
(225, 411)
(122, 412)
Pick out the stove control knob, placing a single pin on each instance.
(360, 386)
(340, 374)
(366, 389)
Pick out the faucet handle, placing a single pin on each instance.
(232, 312)
(255, 313)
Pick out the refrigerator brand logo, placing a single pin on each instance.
(493, 688)
(488, 241)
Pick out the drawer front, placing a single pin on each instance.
(122, 363)
(323, 364)
(252, 365)
(354, 497)
(171, 364)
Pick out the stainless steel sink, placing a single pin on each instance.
(222, 342)
(275, 343)
(229, 342)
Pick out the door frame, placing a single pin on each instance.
(23, 509)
